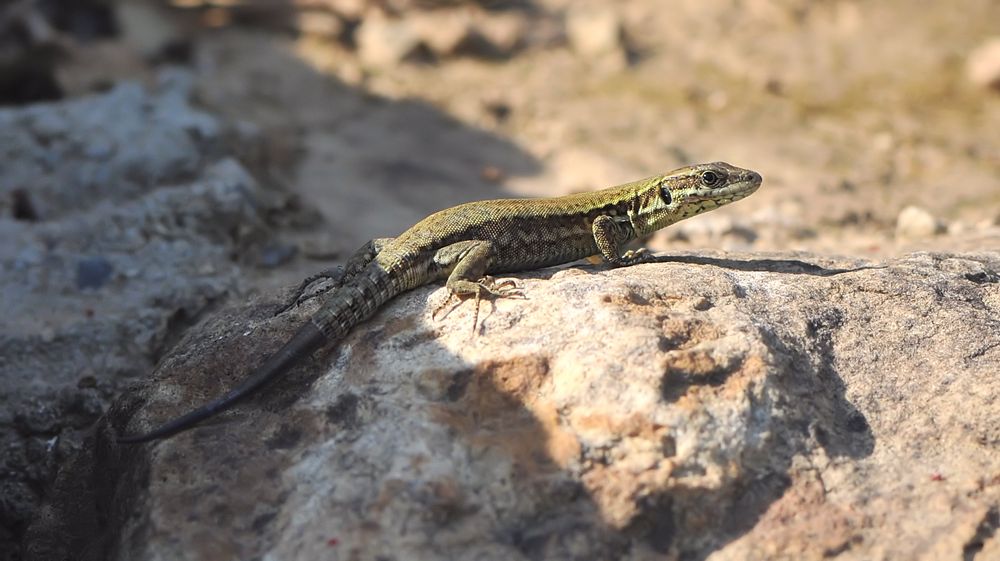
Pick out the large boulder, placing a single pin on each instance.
(732, 406)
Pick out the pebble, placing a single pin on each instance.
(915, 223)
(93, 272)
(594, 31)
(276, 254)
(386, 42)
(504, 32)
(983, 65)
(445, 33)
(321, 24)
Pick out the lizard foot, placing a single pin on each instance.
(636, 256)
(486, 285)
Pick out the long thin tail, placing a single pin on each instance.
(306, 340)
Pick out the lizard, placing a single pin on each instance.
(468, 243)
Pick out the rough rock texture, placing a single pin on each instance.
(119, 217)
(726, 406)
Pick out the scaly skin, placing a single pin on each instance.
(467, 243)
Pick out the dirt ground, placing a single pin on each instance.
(850, 111)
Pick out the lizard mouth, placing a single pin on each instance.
(742, 188)
(730, 192)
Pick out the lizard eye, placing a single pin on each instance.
(665, 195)
(710, 178)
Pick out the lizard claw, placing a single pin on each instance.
(487, 286)
(503, 289)
(451, 294)
(635, 256)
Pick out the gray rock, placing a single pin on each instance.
(114, 147)
(135, 216)
(93, 272)
(146, 27)
(743, 406)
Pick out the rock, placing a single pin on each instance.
(505, 32)
(595, 31)
(79, 153)
(983, 64)
(146, 27)
(914, 223)
(385, 42)
(93, 272)
(122, 202)
(275, 254)
(717, 405)
(320, 23)
(444, 32)
(350, 9)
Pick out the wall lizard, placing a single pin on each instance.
(467, 243)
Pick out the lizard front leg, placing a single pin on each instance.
(610, 235)
(468, 262)
(340, 274)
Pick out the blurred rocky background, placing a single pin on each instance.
(162, 160)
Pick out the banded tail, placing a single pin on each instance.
(353, 303)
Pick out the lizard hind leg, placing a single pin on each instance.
(468, 262)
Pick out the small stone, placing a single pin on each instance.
(493, 174)
(276, 254)
(499, 111)
(883, 142)
(916, 223)
(717, 100)
(594, 31)
(504, 32)
(983, 64)
(320, 24)
(47, 334)
(445, 33)
(145, 27)
(959, 228)
(349, 9)
(386, 42)
(93, 272)
(87, 381)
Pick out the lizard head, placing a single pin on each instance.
(683, 193)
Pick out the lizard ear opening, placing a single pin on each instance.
(665, 194)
